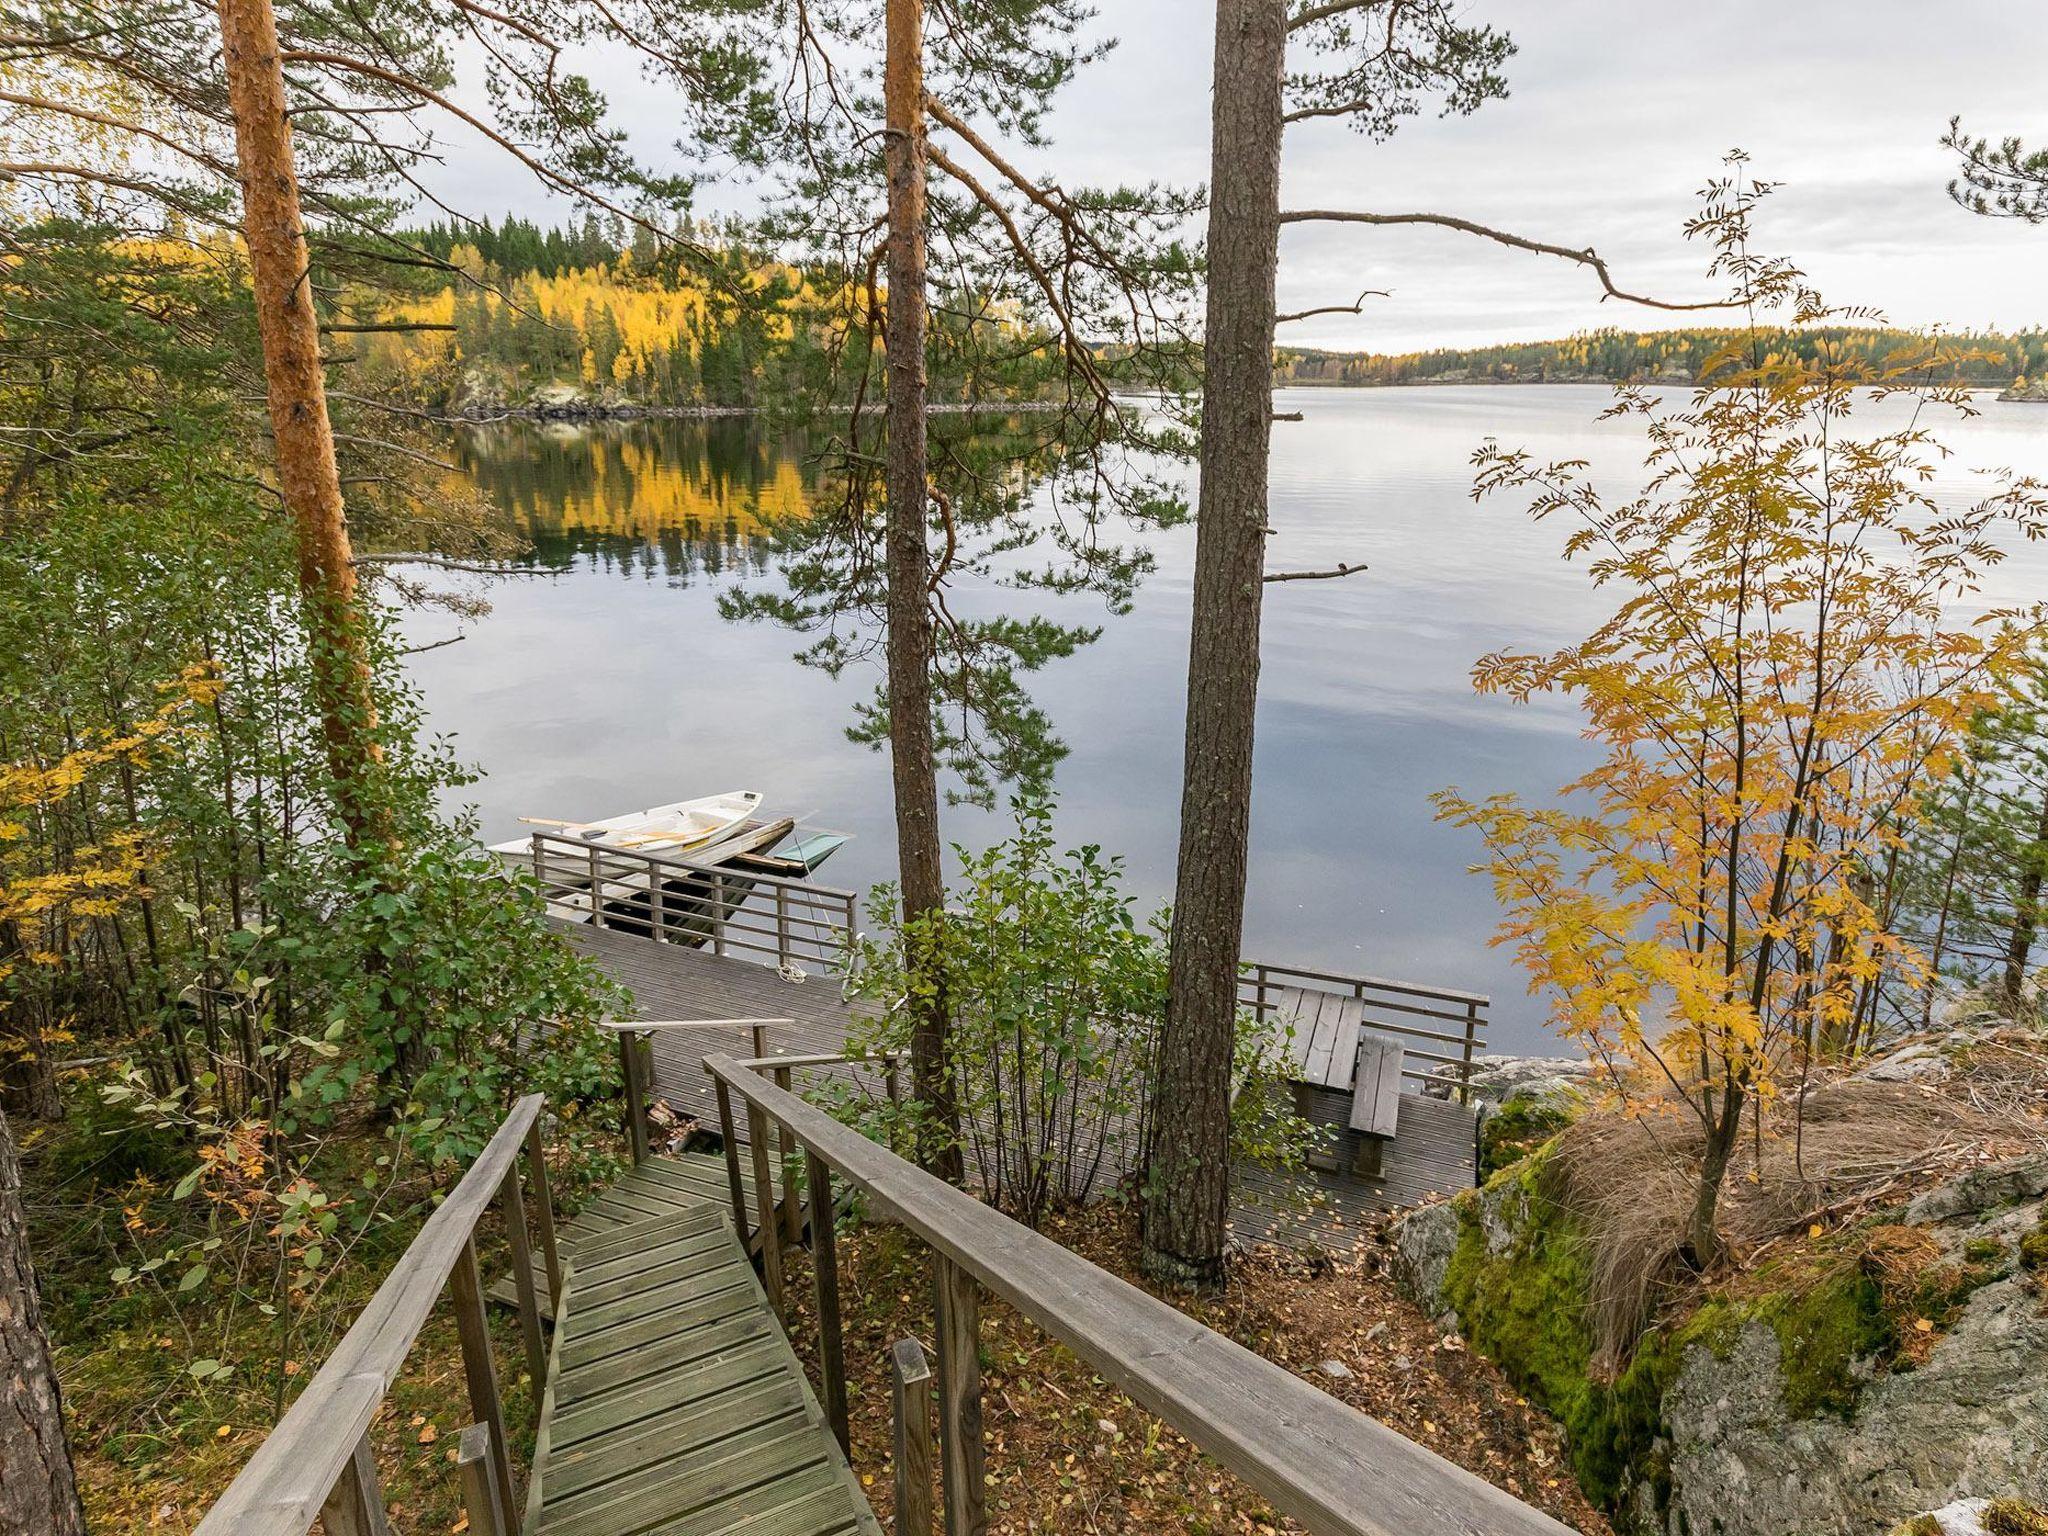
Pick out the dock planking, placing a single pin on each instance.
(676, 1406)
(1432, 1153)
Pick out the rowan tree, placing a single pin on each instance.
(1789, 670)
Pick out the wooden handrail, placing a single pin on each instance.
(281, 1490)
(1318, 1460)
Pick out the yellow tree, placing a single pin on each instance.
(1783, 679)
(38, 901)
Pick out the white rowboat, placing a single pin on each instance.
(685, 828)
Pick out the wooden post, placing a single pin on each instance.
(759, 1032)
(636, 1110)
(466, 1286)
(657, 901)
(958, 1308)
(512, 1200)
(717, 912)
(544, 1213)
(355, 1507)
(825, 1274)
(782, 923)
(785, 1144)
(1465, 1072)
(538, 849)
(481, 1496)
(734, 1184)
(912, 1390)
(764, 1205)
(596, 890)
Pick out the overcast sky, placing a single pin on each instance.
(1618, 113)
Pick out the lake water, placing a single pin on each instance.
(614, 683)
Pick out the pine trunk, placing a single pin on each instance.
(2026, 911)
(1188, 1196)
(38, 1492)
(308, 477)
(920, 855)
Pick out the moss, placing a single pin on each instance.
(1919, 1525)
(1984, 1250)
(2013, 1517)
(2034, 1247)
(1517, 1129)
(1837, 1310)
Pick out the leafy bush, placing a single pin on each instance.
(1056, 992)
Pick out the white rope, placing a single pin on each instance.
(793, 973)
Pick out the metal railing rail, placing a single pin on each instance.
(316, 1461)
(714, 906)
(1318, 1460)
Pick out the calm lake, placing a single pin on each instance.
(614, 683)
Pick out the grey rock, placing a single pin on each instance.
(1973, 1418)
(1336, 1370)
(1965, 1517)
(1496, 1079)
(1982, 1189)
(1919, 1062)
(1423, 1242)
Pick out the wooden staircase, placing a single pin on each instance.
(675, 1405)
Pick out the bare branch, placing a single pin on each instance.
(1355, 307)
(1585, 258)
(1330, 575)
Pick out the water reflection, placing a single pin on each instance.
(590, 693)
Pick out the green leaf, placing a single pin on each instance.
(194, 1278)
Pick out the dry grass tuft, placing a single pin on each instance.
(1628, 1172)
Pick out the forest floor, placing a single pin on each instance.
(1067, 1453)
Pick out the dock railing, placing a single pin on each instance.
(730, 911)
(316, 1463)
(1319, 1461)
(1440, 1030)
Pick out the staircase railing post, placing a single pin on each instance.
(825, 1276)
(912, 1389)
(355, 1506)
(478, 1368)
(512, 1200)
(636, 1108)
(544, 1212)
(596, 891)
(735, 1185)
(764, 1205)
(785, 1145)
(482, 1498)
(718, 912)
(1465, 1071)
(962, 1451)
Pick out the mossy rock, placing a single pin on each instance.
(2014, 1517)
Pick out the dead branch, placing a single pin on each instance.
(1329, 575)
(1355, 307)
(1585, 258)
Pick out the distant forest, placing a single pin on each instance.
(595, 307)
(1617, 356)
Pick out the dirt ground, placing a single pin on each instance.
(1067, 1453)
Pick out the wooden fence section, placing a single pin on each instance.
(727, 911)
(1440, 1030)
(316, 1463)
(1318, 1460)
